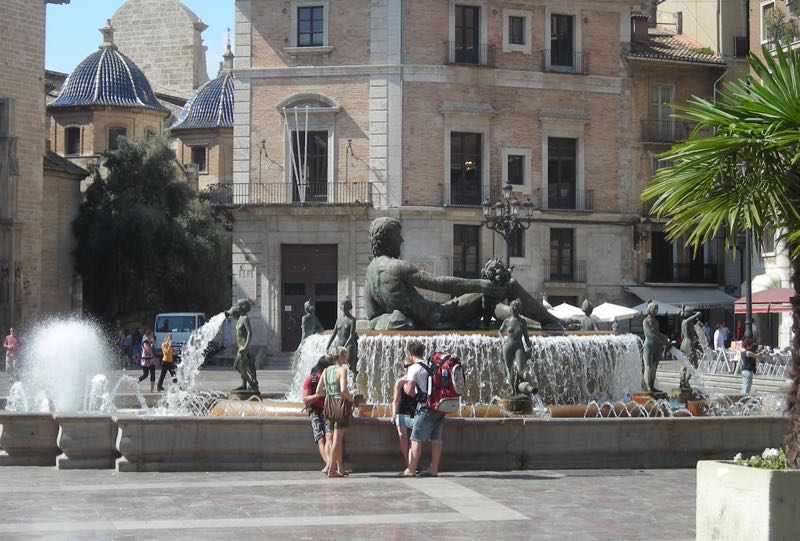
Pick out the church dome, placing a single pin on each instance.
(107, 77)
(211, 106)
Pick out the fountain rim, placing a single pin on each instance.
(475, 332)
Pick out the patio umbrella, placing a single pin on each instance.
(663, 309)
(566, 311)
(608, 312)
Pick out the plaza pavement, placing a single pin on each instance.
(592, 505)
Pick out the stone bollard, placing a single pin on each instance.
(28, 439)
(87, 441)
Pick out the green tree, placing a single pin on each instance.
(145, 244)
(755, 125)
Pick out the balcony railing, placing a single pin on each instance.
(479, 55)
(682, 273)
(566, 62)
(564, 199)
(664, 131)
(283, 193)
(561, 270)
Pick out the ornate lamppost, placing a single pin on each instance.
(505, 219)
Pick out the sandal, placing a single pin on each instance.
(427, 474)
(334, 474)
(403, 474)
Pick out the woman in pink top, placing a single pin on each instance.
(148, 361)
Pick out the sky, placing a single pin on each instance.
(72, 30)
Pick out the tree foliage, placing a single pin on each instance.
(145, 244)
(754, 125)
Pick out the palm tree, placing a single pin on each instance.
(753, 126)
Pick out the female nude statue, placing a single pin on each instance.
(516, 345)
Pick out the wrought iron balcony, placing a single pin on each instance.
(566, 61)
(478, 55)
(560, 198)
(283, 193)
(565, 270)
(664, 131)
(681, 273)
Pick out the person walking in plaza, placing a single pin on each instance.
(333, 382)
(10, 344)
(748, 361)
(125, 346)
(404, 408)
(719, 338)
(314, 404)
(428, 423)
(136, 347)
(726, 334)
(148, 361)
(167, 364)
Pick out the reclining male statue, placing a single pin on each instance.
(393, 302)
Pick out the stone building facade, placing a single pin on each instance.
(25, 261)
(164, 38)
(421, 110)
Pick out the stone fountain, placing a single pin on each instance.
(590, 372)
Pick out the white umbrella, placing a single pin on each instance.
(608, 312)
(663, 308)
(566, 311)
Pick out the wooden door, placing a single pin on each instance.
(307, 271)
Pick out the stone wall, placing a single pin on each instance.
(163, 38)
(22, 32)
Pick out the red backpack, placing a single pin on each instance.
(445, 382)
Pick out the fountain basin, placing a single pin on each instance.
(28, 439)
(87, 441)
(285, 443)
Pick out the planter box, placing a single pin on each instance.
(87, 441)
(28, 439)
(742, 503)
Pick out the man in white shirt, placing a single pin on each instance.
(719, 338)
(427, 422)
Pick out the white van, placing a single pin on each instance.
(180, 325)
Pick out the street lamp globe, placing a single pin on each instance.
(508, 190)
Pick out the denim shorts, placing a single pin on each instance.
(318, 427)
(427, 426)
(404, 421)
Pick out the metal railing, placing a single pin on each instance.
(681, 273)
(561, 270)
(479, 55)
(284, 193)
(566, 61)
(560, 198)
(664, 131)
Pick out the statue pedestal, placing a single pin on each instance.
(518, 403)
(643, 398)
(243, 395)
(685, 396)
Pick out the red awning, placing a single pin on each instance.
(768, 301)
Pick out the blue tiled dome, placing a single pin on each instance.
(211, 106)
(107, 77)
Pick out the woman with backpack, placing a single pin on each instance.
(333, 384)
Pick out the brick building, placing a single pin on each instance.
(37, 190)
(423, 110)
(164, 38)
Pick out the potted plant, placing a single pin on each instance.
(753, 499)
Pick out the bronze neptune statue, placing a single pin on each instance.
(392, 300)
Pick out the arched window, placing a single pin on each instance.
(72, 141)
